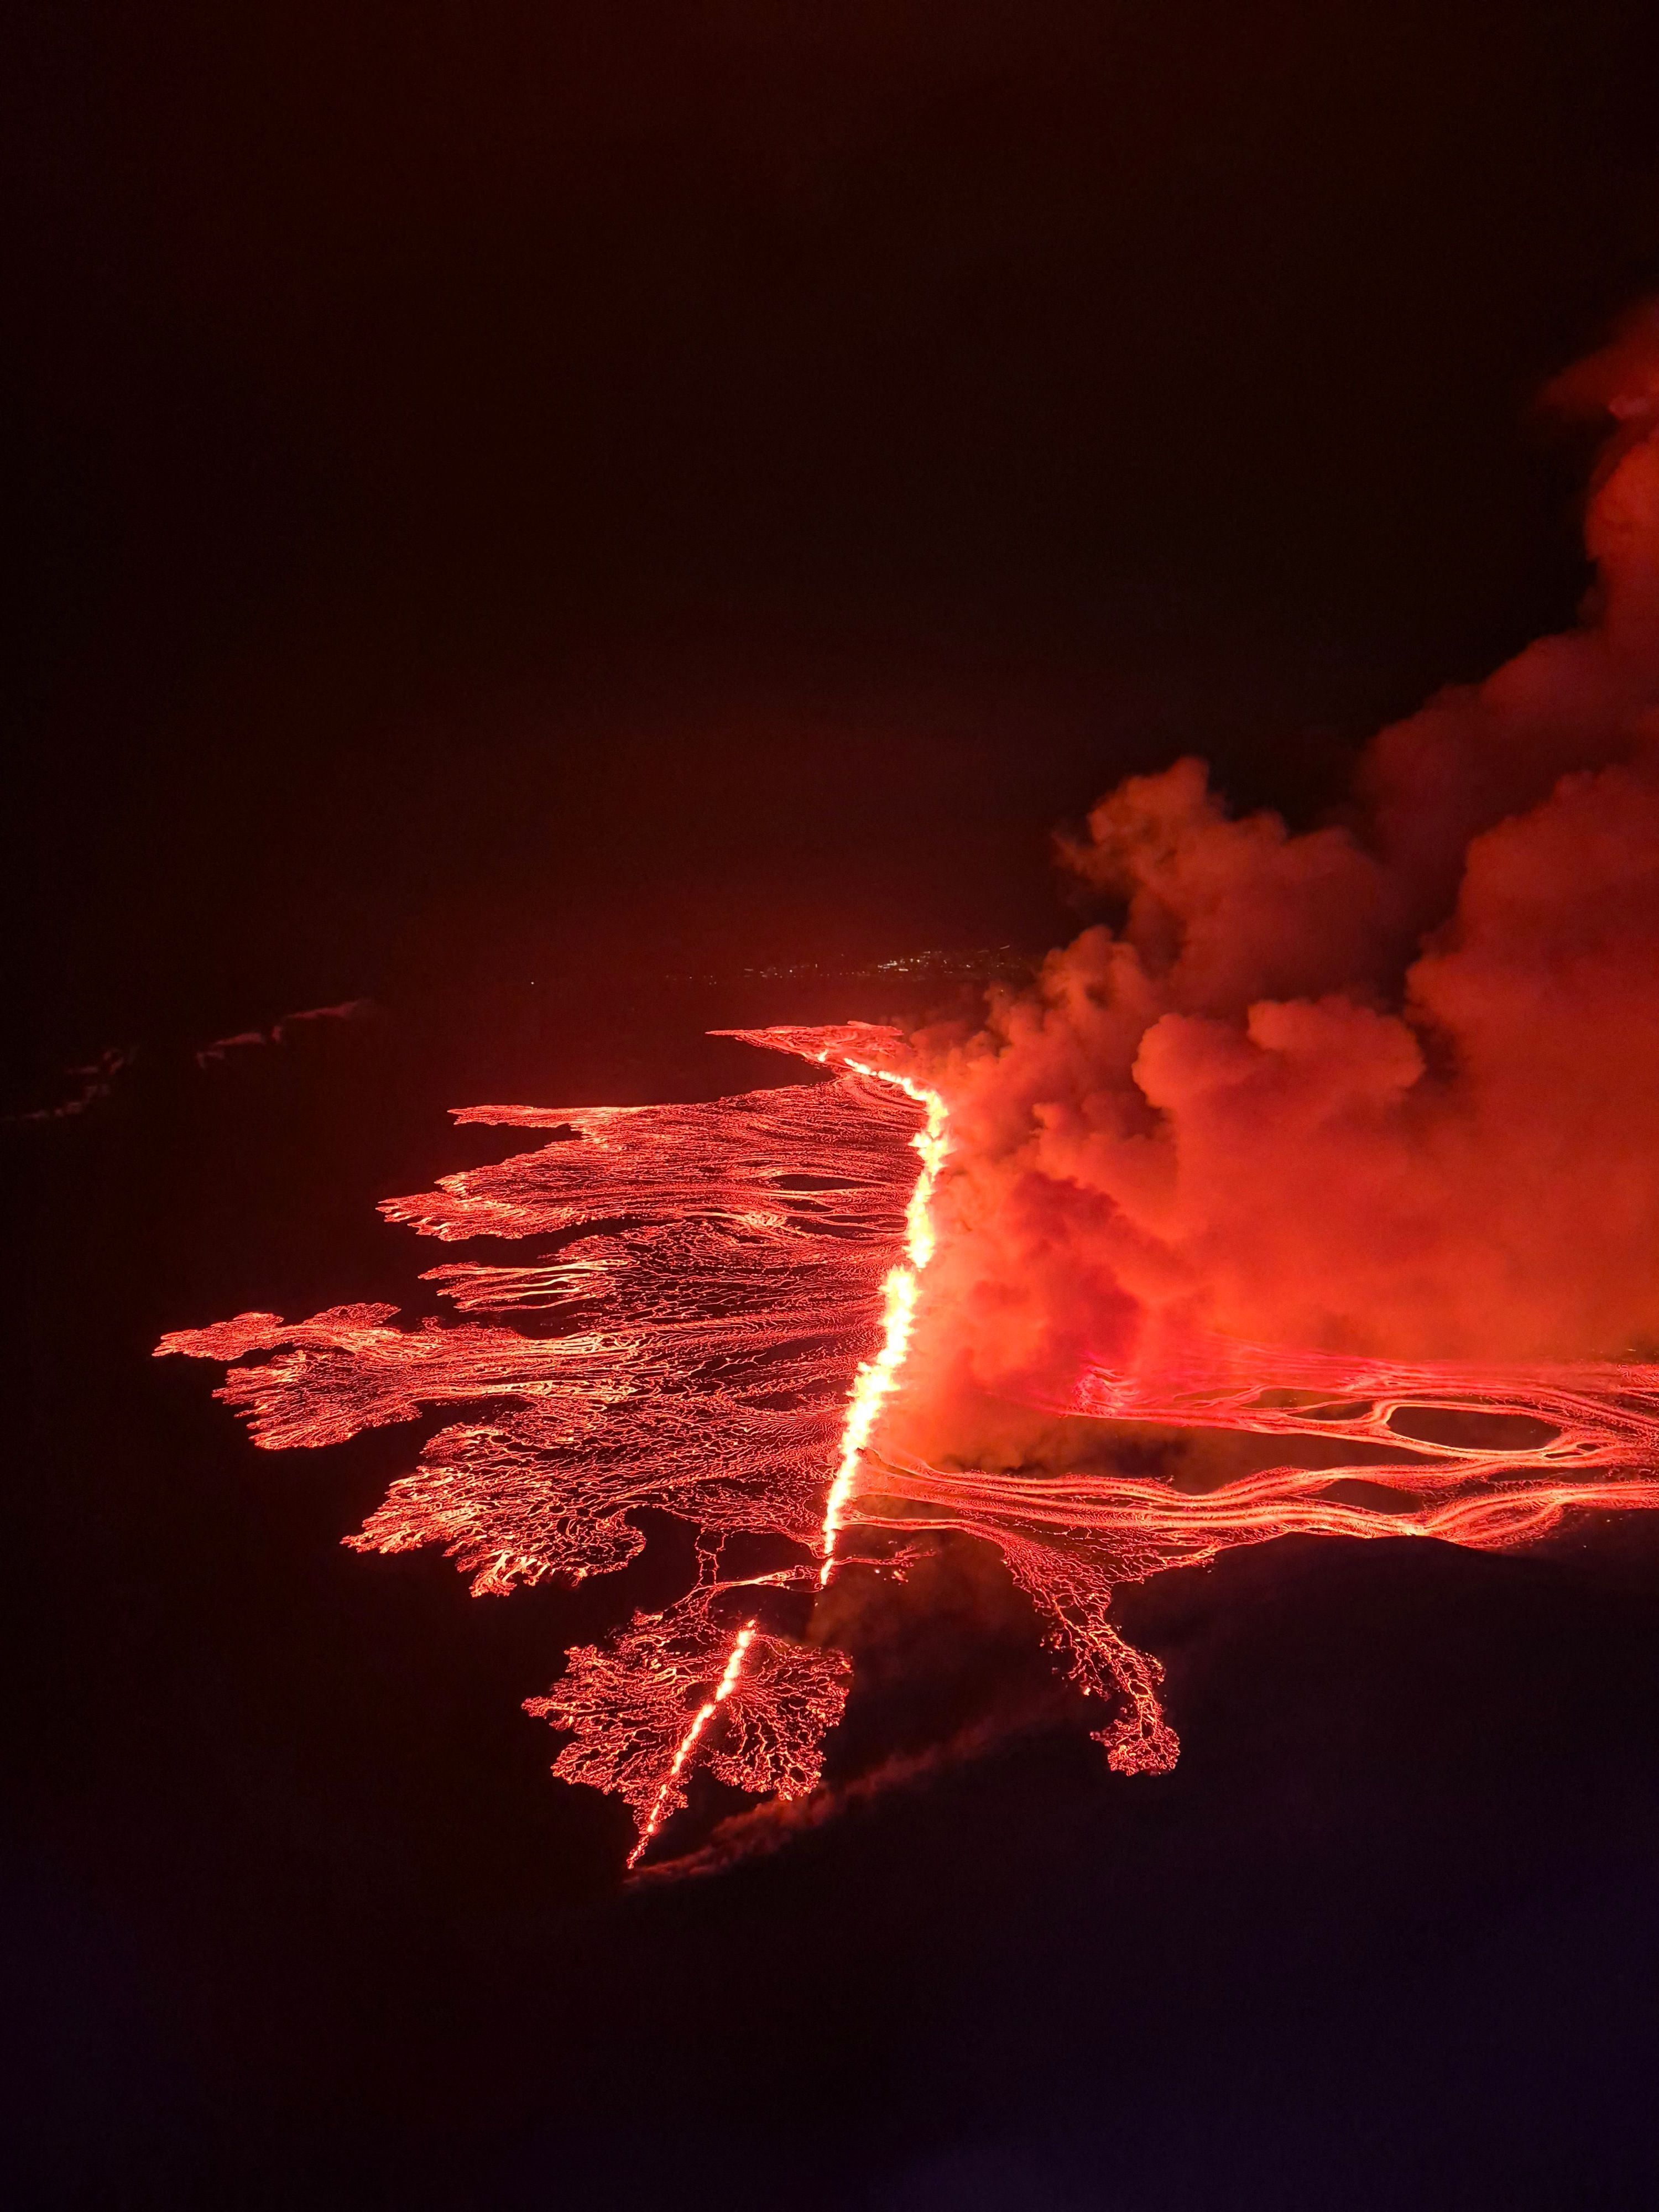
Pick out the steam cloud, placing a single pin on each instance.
(1390, 1087)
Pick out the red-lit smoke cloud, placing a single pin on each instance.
(1389, 1087)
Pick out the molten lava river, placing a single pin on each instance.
(717, 1332)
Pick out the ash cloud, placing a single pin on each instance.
(1390, 1086)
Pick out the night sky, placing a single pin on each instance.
(517, 508)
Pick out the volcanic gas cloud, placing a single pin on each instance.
(1321, 1195)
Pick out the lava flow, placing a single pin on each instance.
(726, 1350)
(720, 1350)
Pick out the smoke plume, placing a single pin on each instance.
(1389, 1087)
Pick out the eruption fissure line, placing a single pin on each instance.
(705, 1713)
(872, 1387)
(874, 1382)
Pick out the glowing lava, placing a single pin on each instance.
(873, 1384)
(724, 1272)
(706, 1712)
(716, 1332)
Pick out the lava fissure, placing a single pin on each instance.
(875, 1381)
(705, 1713)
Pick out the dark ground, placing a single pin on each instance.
(516, 502)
